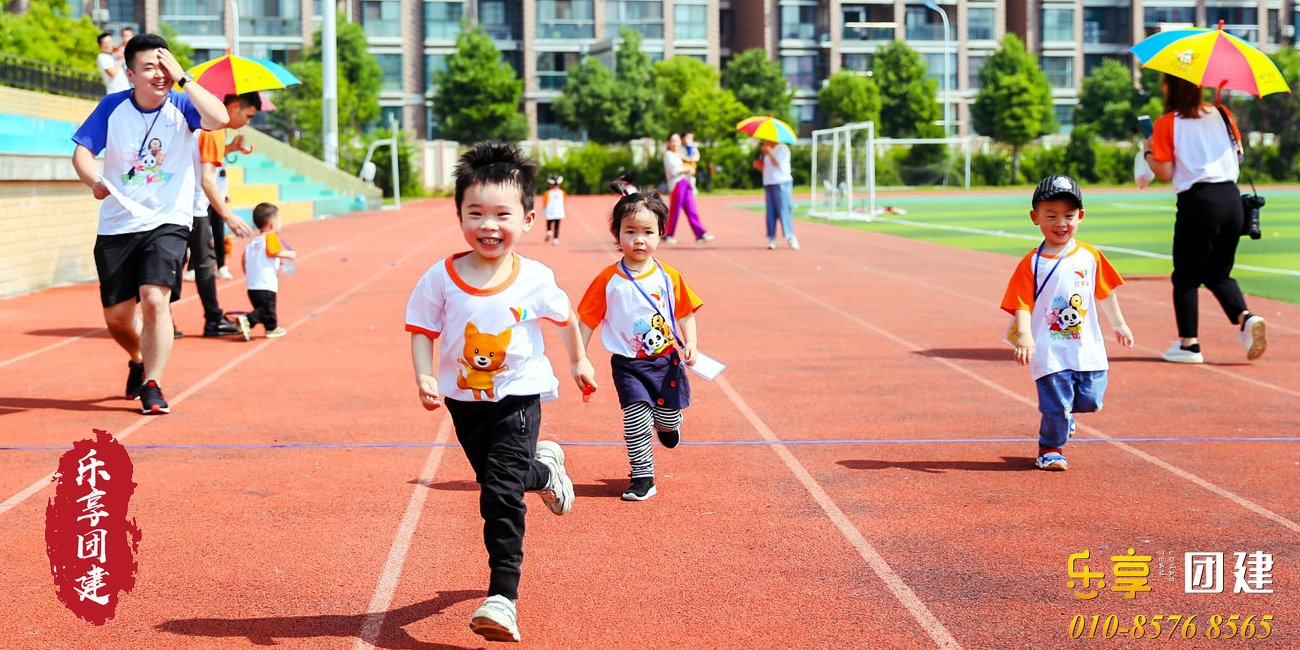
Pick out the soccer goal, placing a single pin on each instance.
(849, 163)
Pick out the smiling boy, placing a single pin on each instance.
(1053, 295)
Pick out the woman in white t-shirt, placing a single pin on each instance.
(1195, 145)
(778, 188)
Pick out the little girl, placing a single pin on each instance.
(553, 208)
(648, 316)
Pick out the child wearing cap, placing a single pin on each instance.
(1054, 296)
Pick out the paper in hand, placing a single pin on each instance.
(706, 366)
(287, 267)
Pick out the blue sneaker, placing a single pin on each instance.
(1052, 461)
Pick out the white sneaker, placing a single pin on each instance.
(1177, 354)
(555, 242)
(495, 620)
(670, 240)
(558, 493)
(189, 276)
(794, 243)
(224, 273)
(771, 244)
(1252, 337)
(245, 330)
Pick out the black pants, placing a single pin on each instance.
(203, 263)
(1206, 231)
(263, 309)
(553, 227)
(218, 236)
(499, 439)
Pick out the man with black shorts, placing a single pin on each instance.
(147, 194)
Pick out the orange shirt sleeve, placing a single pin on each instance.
(1108, 279)
(591, 309)
(685, 301)
(1162, 138)
(273, 245)
(1020, 289)
(212, 147)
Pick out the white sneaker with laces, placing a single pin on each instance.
(1253, 337)
(794, 243)
(1177, 354)
(496, 620)
(558, 493)
(189, 276)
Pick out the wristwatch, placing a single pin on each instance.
(185, 78)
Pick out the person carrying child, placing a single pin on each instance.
(485, 307)
(1054, 295)
(264, 257)
(646, 313)
(553, 208)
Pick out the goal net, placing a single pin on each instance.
(849, 163)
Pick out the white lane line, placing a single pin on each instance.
(35, 487)
(893, 582)
(392, 573)
(1181, 473)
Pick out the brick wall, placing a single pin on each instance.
(47, 235)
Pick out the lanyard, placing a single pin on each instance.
(1038, 288)
(144, 142)
(668, 296)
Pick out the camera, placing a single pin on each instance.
(1250, 204)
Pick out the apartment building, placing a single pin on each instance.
(810, 39)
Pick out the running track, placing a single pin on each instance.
(299, 496)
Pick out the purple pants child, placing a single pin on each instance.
(684, 198)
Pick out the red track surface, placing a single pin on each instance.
(849, 544)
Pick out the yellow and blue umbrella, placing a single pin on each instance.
(236, 75)
(767, 128)
(1211, 58)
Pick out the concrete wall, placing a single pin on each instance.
(344, 181)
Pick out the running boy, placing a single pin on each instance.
(646, 312)
(147, 194)
(262, 262)
(485, 306)
(553, 208)
(1054, 294)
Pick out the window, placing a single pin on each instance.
(857, 62)
(282, 53)
(514, 59)
(800, 71)
(639, 15)
(553, 69)
(980, 24)
(1274, 28)
(924, 24)
(195, 17)
(1058, 25)
(269, 18)
(548, 125)
(391, 66)
(1064, 117)
(973, 65)
(1242, 22)
(691, 22)
(566, 19)
(799, 22)
(501, 19)
(1059, 71)
(120, 11)
(1153, 17)
(854, 15)
(1092, 61)
(1108, 25)
(934, 69)
(434, 63)
(381, 18)
(442, 19)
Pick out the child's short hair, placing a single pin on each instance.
(141, 43)
(634, 202)
(247, 100)
(499, 163)
(264, 213)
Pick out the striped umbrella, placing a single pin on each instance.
(767, 128)
(1211, 58)
(236, 75)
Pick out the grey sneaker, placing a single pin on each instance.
(495, 620)
(1253, 338)
(558, 493)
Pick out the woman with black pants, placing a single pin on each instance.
(1191, 146)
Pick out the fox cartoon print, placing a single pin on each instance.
(484, 356)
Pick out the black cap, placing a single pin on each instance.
(1055, 187)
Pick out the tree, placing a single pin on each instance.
(1080, 157)
(478, 93)
(694, 101)
(907, 97)
(850, 97)
(758, 83)
(184, 53)
(358, 94)
(1014, 102)
(592, 101)
(634, 73)
(45, 32)
(1109, 101)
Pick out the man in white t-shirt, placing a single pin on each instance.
(111, 65)
(147, 191)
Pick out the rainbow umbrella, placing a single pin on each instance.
(767, 128)
(236, 75)
(1211, 58)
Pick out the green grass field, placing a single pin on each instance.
(1142, 222)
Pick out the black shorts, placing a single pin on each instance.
(128, 261)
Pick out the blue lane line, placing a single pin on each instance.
(860, 441)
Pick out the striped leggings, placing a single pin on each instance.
(639, 420)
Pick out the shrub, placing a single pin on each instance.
(991, 169)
